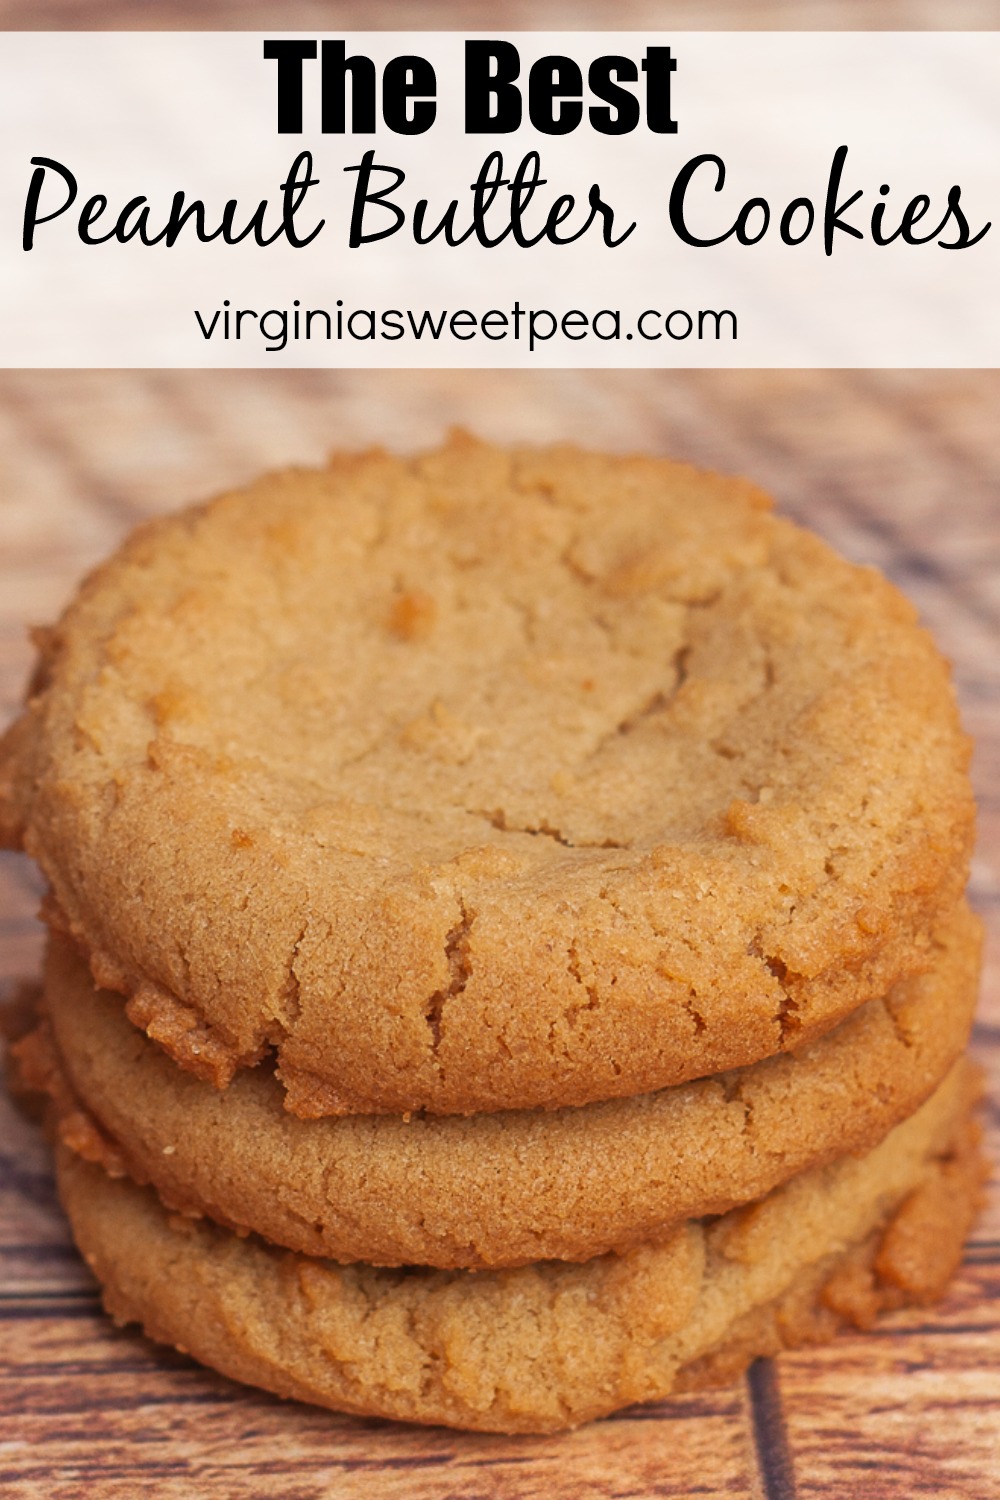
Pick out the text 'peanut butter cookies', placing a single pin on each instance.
(493, 1190)
(490, 780)
(550, 1345)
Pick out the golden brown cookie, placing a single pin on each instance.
(493, 1190)
(550, 1345)
(490, 780)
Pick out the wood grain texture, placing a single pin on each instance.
(501, 15)
(901, 469)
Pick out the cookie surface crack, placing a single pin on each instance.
(289, 997)
(691, 1007)
(589, 988)
(656, 703)
(498, 819)
(789, 1021)
(456, 949)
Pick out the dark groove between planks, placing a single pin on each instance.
(774, 1457)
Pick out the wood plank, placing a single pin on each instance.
(317, 16)
(105, 1410)
(902, 1393)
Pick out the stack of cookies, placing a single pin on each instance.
(508, 951)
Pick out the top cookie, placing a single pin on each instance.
(490, 779)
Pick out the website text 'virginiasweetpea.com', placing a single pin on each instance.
(278, 327)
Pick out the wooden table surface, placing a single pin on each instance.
(900, 469)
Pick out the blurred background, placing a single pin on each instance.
(499, 15)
